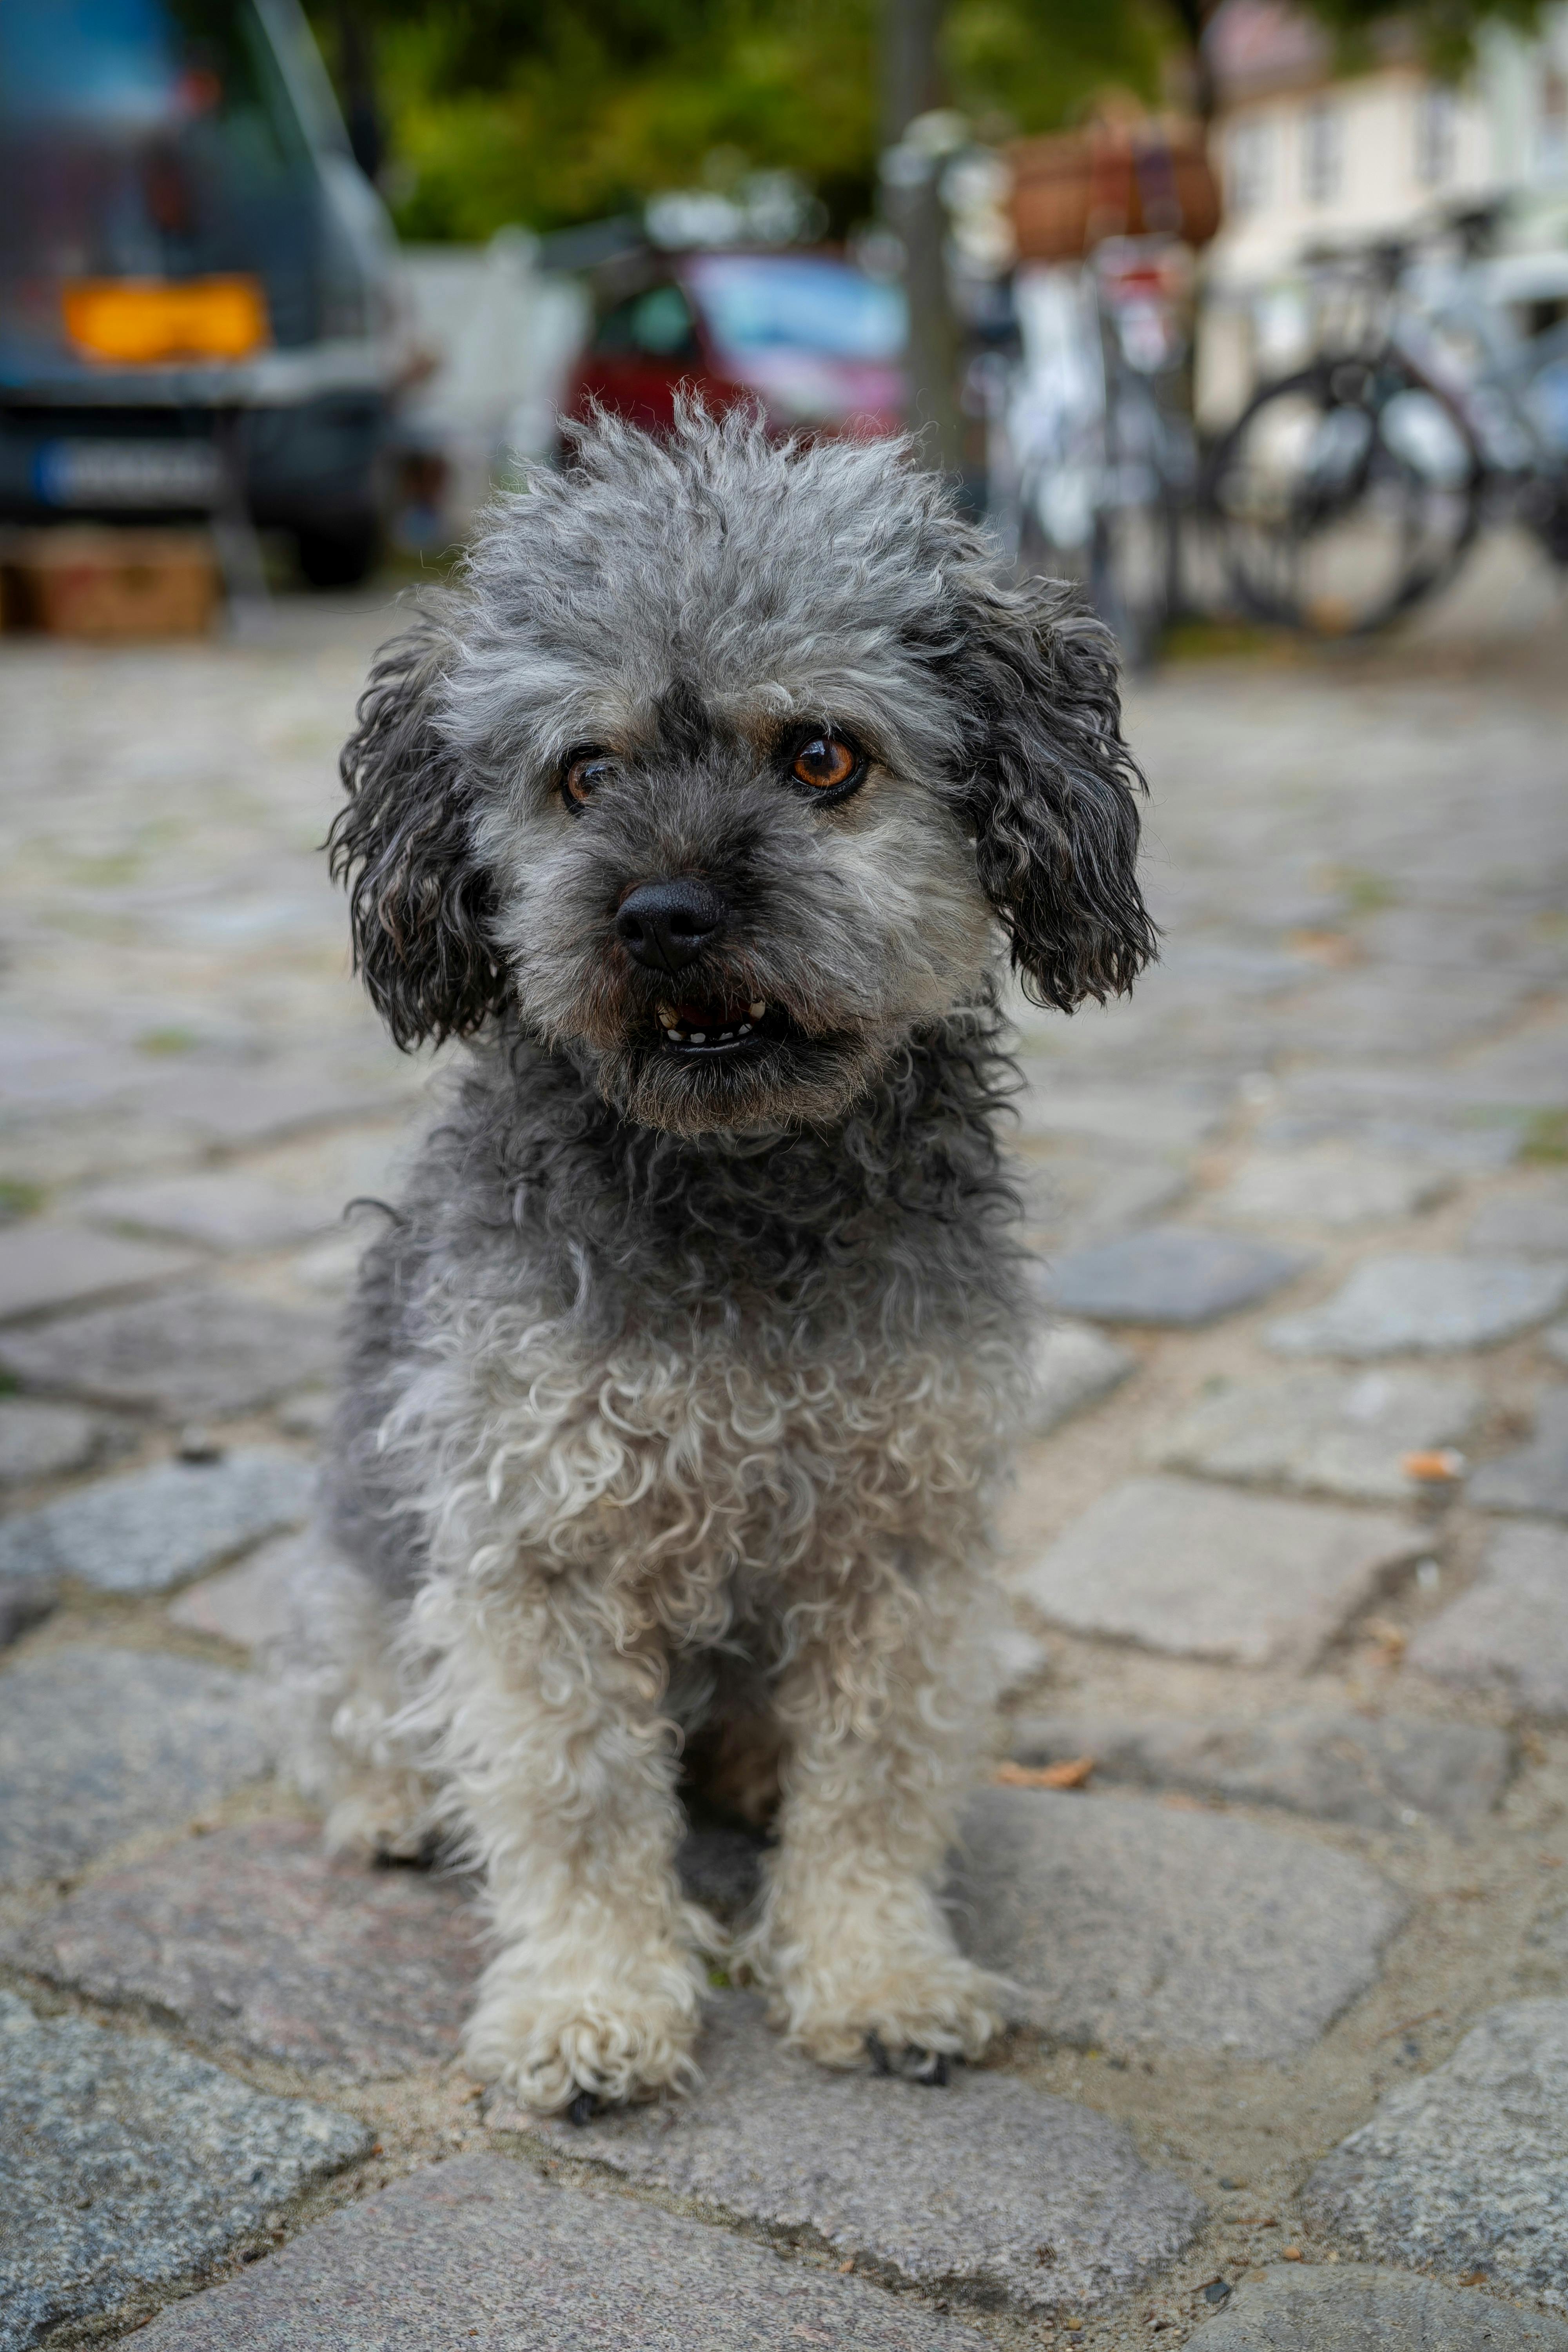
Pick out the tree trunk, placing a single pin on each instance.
(912, 85)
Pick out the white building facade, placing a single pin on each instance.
(1310, 158)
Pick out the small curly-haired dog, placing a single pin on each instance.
(708, 805)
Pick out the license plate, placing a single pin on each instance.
(127, 474)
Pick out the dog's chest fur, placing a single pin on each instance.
(710, 1374)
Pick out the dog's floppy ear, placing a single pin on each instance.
(1053, 792)
(420, 902)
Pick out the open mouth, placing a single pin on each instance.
(701, 1032)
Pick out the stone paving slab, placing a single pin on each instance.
(96, 1744)
(248, 1605)
(1356, 2308)
(1533, 1223)
(1199, 1572)
(1466, 2169)
(1150, 1118)
(1534, 1477)
(987, 2190)
(1330, 1185)
(482, 2253)
(1510, 1630)
(45, 1262)
(224, 1209)
(1074, 1366)
(130, 2164)
(199, 1352)
(1319, 1432)
(1425, 1306)
(1128, 1925)
(1379, 1773)
(153, 1528)
(25, 1602)
(258, 1940)
(1555, 1343)
(1178, 1274)
(239, 1105)
(46, 1441)
(1079, 1197)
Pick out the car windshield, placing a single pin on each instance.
(151, 139)
(805, 302)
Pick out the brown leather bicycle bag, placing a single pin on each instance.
(1113, 179)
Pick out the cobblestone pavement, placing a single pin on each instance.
(1279, 1862)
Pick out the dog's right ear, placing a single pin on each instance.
(420, 902)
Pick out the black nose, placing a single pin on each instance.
(666, 925)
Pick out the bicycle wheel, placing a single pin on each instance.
(1345, 495)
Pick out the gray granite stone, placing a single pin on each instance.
(1074, 1366)
(1023, 1658)
(45, 1262)
(482, 2253)
(129, 2164)
(1555, 1342)
(958, 2192)
(307, 1415)
(1381, 1772)
(203, 1351)
(1082, 1196)
(1534, 1477)
(25, 1602)
(1319, 1432)
(1544, 1967)
(248, 1605)
(1510, 1630)
(1129, 1925)
(97, 1744)
(1200, 1571)
(257, 1940)
(1329, 1185)
(1425, 1305)
(153, 1528)
(1148, 1116)
(235, 1104)
(1356, 2308)
(1466, 2169)
(44, 1441)
(225, 1209)
(1169, 1274)
(1526, 1224)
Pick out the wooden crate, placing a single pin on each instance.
(91, 579)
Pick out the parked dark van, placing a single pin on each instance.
(198, 284)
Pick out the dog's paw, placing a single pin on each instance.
(911, 2016)
(382, 1817)
(599, 2045)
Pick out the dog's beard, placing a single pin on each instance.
(789, 1081)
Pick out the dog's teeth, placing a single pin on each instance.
(678, 1036)
(758, 1009)
(723, 1033)
(699, 1036)
(744, 1030)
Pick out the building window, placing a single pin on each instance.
(1437, 137)
(1250, 157)
(1322, 154)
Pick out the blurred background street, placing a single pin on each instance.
(1253, 320)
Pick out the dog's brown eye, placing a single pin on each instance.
(825, 763)
(583, 771)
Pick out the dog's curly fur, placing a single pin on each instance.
(679, 1385)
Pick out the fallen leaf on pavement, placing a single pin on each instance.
(1067, 1773)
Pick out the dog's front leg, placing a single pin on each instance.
(562, 1777)
(884, 1716)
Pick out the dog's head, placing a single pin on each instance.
(722, 767)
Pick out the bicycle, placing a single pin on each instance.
(1351, 490)
(1091, 462)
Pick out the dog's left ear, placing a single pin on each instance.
(420, 900)
(1052, 792)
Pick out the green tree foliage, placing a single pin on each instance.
(556, 112)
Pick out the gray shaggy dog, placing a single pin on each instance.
(709, 807)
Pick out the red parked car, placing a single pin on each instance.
(813, 341)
